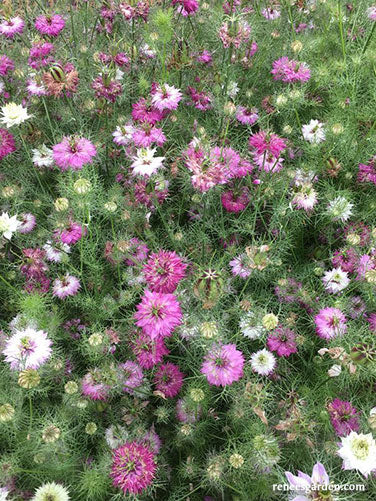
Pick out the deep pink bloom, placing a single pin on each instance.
(247, 115)
(73, 153)
(149, 352)
(6, 65)
(343, 416)
(131, 376)
(7, 143)
(34, 265)
(199, 99)
(67, 286)
(168, 379)
(223, 364)
(40, 55)
(50, 25)
(282, 341)
(133, 467)
(163, 271)
(147, 135)
(92, 386)
(205, 57)
(187, 7)
(330, 322)
(166, 97)
(290, 71)
(235, 200)
(142, 111)
(71, 234)
(264, 142)
(158, 314)
(109, 90)
(372, 322)
(346, 259)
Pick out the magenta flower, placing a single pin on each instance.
(343, 416)
(92, 386)
(142, 111)
(71, 234)
(372, 322)
(149, 352)
(131, 376)
(346, 259)
(240, 266)
(133, 467)
(223, 364)
(147, 135)
(110, 90)
(235, 200)
(187, 7)
(158, 314)
(163, 271)
(330, 322)
(282, 341)
(247, 115)
(290, 71)
(7, 143)
(50, 25)
(40, 55)
(6, 65)
(73, 153)
(263, 142)
(67, 286)
(168, 379)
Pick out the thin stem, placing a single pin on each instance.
(341, 31)
(365, 46)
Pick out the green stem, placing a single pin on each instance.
(341, 31)
(365, 46)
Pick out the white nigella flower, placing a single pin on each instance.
(335, 280)
(305, 197)
(340, 209)
(314, 132)
(13, 114)
(4, 494)
(8, 225)
(263, 362)
(249, 327)
(51, 491)
(53, 253)
(42, 156)
(232, 89)
(358, 452)
(115, 435)
(145, 163)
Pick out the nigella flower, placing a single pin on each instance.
(13, 114)
(146, 135)
(55, 252)
(249, 326)
(131, 376)
(67, 286)
(168, 379)
(346, 259)
(305, 484)
(12, 26)
(94, 387)
(74, 153)
(106, 88)
(51, 491)
(8, 225)
(61, 80)
(264, 142)
(158, 314)
(187, 7)
(42, 156)
(133, 467)
(367, 172)
(223, 364)
(27, 349)
(166, 97)
(142, 111)
(282, 341)
(339, 209)
(330, 322)
(7, 143)
(356, 307)
(358, 452)
(71, 233)
(335, 280)
(40, 55)
(35, 89)
(313, 132)
(357, 234)
(50, 25)
(305, 197)
(152, 440)
(270, 13)
(199, 99)
(186, 415)
(371, 13)
(290, 71)
(343, 416)
(145, 163)
(149, 352)
(240, 266)
(235, 200)
(247, 116)
(28, 223)
(163, 271)
(123, 134)
(263, 362)
(6, 65)
(234, 33)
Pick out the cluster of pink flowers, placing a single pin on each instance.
(228, 37)
(7, 143)
(290, 71)
(199, 99)
(367, 172)
(107, 88)
(267, 148)
(6, 65)
(40, 55)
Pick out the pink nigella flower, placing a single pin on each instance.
(263, 142)
(371, 13)
(205, 57)
(346, 259)
(142, 111)
(290, 71)
(199, 99)
(131, 376)
(243, 32)
(35, 89)
(138, 252)
(163, 271)
(11, 27)
(186, 415)
(6, 65)
(109, 90)
(158, 314)
(367, 172)
(270, 13)
(123, 134)
(67, 286)
(187, 7)
(50, 25)
(366, 263)
(235, 200)
(166, 97)
(240, 266)
(34, 265)
(168, 379)
(133, 467)
(28, 223)
(27, 349)
(146, 136)
(71, 234)
(372, 322)
(73, 153)
(92, 386)
(247, 115)
(7, 143)
(149, 352)
(40, 55)
(303, 483)
(330, 322)
(282, 341)
(223, 364)
(343, 416)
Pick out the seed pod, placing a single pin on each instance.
(57, 72)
